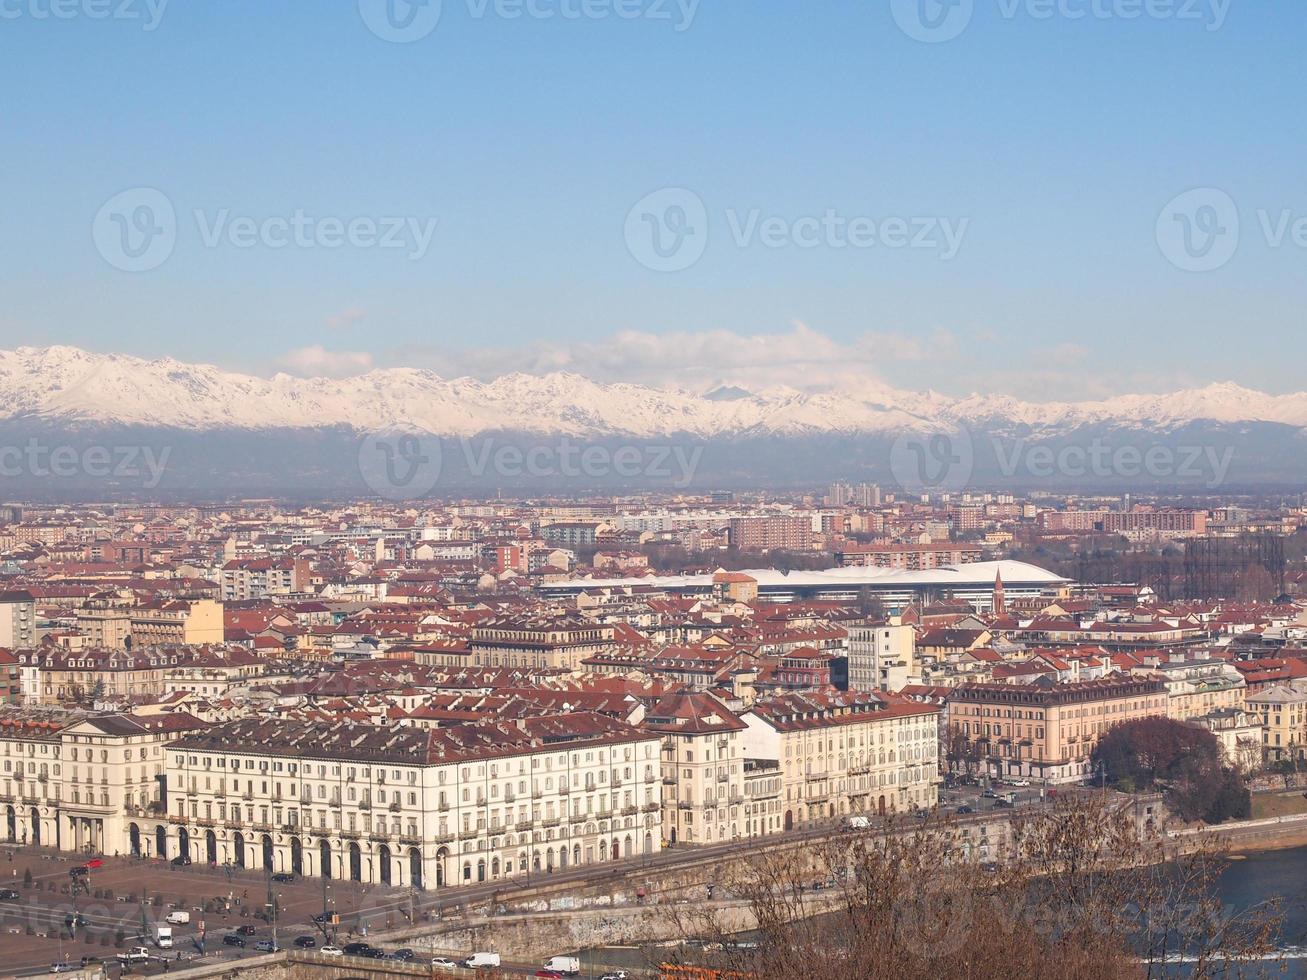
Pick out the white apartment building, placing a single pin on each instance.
(17, 620)
(85, 783)
(702, 768)
(842, 753)
(881, 654)
(414, 807)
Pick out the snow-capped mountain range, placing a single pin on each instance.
(63, 385)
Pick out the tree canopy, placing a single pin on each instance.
(1184, 762)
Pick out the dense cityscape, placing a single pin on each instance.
(425, 698)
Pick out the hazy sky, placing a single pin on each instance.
(617, 186)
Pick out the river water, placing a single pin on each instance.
(1261, 876)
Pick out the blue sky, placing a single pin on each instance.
(1049, 144)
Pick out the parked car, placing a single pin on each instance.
(330, 950)
(283, 878)
(78, 872)
(1021, 782)
(549, 974)
(246, 930)
(180, 861)
(231, 939)
(306, 942)
(615, 975)
(322, 918)
(10, 895)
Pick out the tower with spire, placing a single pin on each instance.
(999, 606)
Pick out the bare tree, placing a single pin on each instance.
(1076, 891)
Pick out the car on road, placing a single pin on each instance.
(1003, 801)
(231, 939)
(322, 918)
(330, 950)
(180, 861)
(10, 895)
(64, 967)
(283, 878)
(548, 974)
(964, 809)
(1021, 782)
(306, 942)
(357, 948)
(989, 794)
(444, 963)
(402, 954)
(245, 930)
(267, 946)
(137, 954)
(615, 975)
(81, 871)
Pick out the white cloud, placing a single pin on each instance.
(799, 358)
(345, 318)
(317, 361)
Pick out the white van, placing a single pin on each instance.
(177, 918)
(163, 937)
(478, 960)
(857, 823)
(568, 965)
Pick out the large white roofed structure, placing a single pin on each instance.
(973, 581)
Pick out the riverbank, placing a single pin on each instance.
(1252, 836)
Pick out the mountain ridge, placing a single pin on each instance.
(68, 384)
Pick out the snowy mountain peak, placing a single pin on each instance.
(69, 384)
